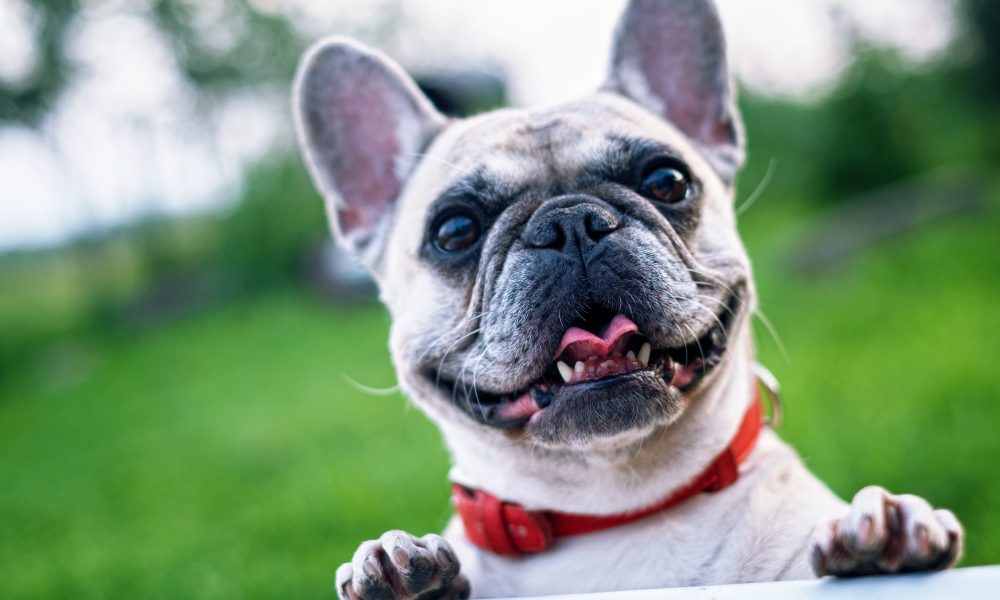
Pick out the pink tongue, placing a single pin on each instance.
(580, 344)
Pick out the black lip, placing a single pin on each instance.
(604, 383)
(606, 407)
(706, 351)
(543, 398)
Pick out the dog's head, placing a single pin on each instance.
(564, 276)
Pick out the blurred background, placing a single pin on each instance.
(195, 394)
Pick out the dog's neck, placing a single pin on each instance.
(614, 480)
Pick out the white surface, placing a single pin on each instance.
(957, 584)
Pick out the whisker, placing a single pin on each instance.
(437, 158)
(726, 353)
(771, 329)
(462, 323)
(759, 190)
(720, 303)
(634, 302)
(697, 341)
(475, 373)
(712, 279)
(448, 351)
(712, 314)
(370, 390)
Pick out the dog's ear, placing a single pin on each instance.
(670, 57)
(362, 124)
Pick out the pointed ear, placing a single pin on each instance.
(361, 125)
(670, 57)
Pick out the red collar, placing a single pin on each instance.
(509, 529)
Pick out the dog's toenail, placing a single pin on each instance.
(818, 561)
(866, 532)
(401, 557)
(445, 556)
(370, 567)
(923, 539)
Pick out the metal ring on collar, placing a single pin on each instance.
(769, 382)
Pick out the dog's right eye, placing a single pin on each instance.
(457, 232)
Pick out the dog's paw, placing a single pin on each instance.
(401, 566)
(884, 533)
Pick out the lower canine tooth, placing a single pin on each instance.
(644, 354)
(565, 371)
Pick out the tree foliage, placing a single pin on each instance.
(259, 49)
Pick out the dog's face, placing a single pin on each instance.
(563, 277)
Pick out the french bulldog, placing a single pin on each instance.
(570, 302)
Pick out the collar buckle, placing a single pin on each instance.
(504, 528)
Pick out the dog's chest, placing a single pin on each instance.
(756, 530)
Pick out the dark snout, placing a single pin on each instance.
(575, 225)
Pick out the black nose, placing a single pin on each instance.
(571, 224)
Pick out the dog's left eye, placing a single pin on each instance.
(665, 183)
(456, 233)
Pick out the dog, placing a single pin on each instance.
(570, 303)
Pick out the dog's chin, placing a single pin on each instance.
(607, 412)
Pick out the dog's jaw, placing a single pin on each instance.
(624, 472)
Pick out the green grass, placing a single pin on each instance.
(891, 375)
(226, 456)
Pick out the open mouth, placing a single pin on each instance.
(603, 350)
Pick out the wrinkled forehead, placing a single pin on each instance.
(526, 147)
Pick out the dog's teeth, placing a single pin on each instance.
(578, 367)
(644, 354)
(565, 371)
(630, 356)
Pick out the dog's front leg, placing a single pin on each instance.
(401, 566)
(885, 533)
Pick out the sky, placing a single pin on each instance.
(128, 138)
